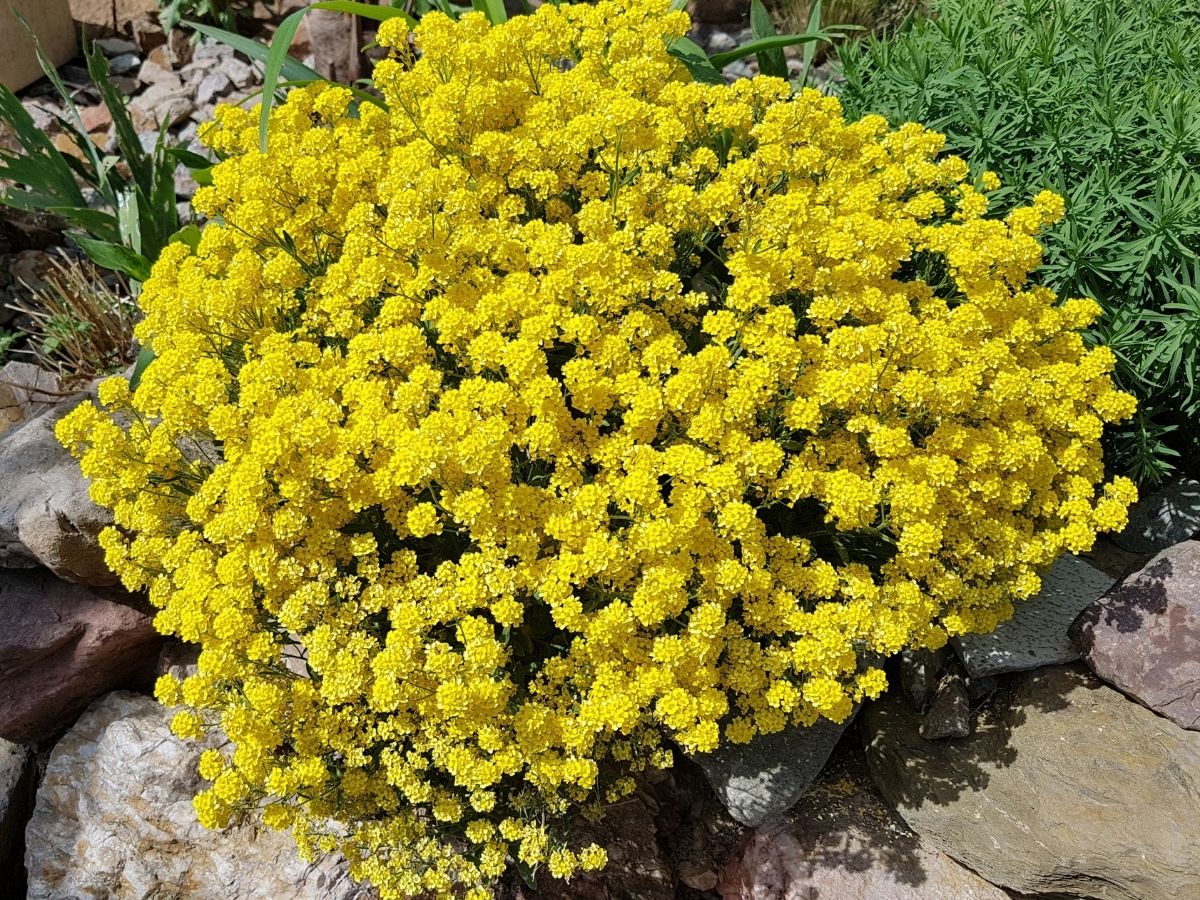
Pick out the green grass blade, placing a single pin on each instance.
(493, 9)
(277, 55)
(721, 60)
(692, 55)
(369, 11)
(770, 62)
(293, 69)
(114, 257)
(145, 357)
(140, 166)
(810, 50)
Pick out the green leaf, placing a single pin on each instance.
(696, 60)
(277, 59)
(528, 874)
(810, 50)
(144, 358)
(770, 62)
(293, 69)
(188, 158)
(369, 10)
(96, 222)
(140, 164)
(721, 60)
(129, 221)
(188, 234)
(53, 174)
(114, 256)
(493, 9)
(277, 55)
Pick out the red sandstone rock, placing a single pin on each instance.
(62, 645)
(1143, 636)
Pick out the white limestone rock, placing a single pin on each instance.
(114, 819)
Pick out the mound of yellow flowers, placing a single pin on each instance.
(566, 405)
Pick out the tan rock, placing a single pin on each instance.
(1067, 787)
(159, 103)
(114, 819)
(110, 14)
(95, 118)
(25, 391)
(50, 21)
(842, 842)
(46, 515)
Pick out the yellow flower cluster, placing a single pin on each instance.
(566, 404)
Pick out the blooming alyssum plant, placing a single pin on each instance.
(566, 404)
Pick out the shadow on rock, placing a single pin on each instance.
(1128, 605)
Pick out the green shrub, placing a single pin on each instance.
(1098, 100)
(120, 209)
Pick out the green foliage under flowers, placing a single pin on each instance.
(1098, 100)
(226, 13)
(121, 207)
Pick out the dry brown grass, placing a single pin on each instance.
(81, 324)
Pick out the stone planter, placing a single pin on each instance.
(50, 21)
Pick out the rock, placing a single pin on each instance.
(698, 878)
(28, 230)
(46, 515)
(1066, 787)
(95, 117)
(43, 113)
(115, 46)
(194, 72)
(636, 868)
(842, 843)
(62, 645)
(1036, 635)
(737, 69)
(114, 818)
(1165, 517)
(1113, 560)
(17, 782)
(126, 84)
(159, 56)
(64, 144)
(178, 658)
(125, 63)
(179, 45)
(718, 11)
(152, 73)
(949, 714)
(758, 782)
(185, 184)
(211, 49)
(110, 14)
(50, 20)
(1143, 637)
(160, 103)
(718, 41)
(213, 85)
(149, 36)
(333, 45)
(240, 73)
(919, 673)
(979, 688)
(25, 391)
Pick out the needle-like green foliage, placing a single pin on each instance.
(1098, 100)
